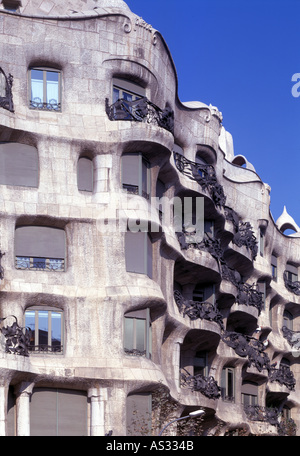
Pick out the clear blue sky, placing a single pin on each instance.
(241, 56)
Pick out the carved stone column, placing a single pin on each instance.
(3, 408)
(23, 393)
(98, 397)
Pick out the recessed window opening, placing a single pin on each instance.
(19, 165)
(46, 327)
(228, 384)
(45, 89)
(11, 5)
(274, 267)
(292, 273)
(137, 333)
(40, 248)
(288, 320)
(85, 174)
(200, 363)
(136, 174)
(138, 252)
(249, 393)
(127, 91)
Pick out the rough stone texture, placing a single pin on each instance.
(95, 291)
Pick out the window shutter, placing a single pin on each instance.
(131, 170)
(135, 252)
(18, 165)
(40, 241)
(58, 412)
(85, 174)
(43, 409)
(149, 255)
(138, 412)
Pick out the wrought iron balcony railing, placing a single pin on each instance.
(243, 235)
(249, 295)
(247, 346)
(17, 338)
(293, 337)
(204, 175)
(195, 309)
(51, 105)
(140, 110)
(293, 286)
(283, 375)
(44, 348)
(6, 98)
(40, 264)
(205, 385)
(1, 267)
(264, 414)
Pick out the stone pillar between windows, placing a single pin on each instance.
(23, 393)
(102, 168)
(176, 362)
(3, 409)
(98, 398)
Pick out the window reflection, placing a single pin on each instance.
(46, 330)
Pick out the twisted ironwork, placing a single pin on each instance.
(205, 385)
(1, 267)
(247, 346)
(243, 232)
(283, 375)
(265, 414)
(17, 338)
(195, 309)
(140, 110)
(204, 175)
(6, 97)
(51, 105)
(293, 337)
(294, 287)
(40, 264)
(249, 295)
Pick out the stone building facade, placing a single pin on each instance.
(115, 315)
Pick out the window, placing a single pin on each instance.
(85, 174)
(203, 293)
(126, 91)
(45, 89)
(11, 412)
(18, 165)
(200, 364)
(58, 412)
(274, 267)
(137, 333)
(249, 393)
(262, 287)
(261, 243)
(46, 327)
(228, 384)
(138, 253)
(139, 414)
(291, 273)
(136, 174)
(40, 248)
(11, 5)
(288, 320)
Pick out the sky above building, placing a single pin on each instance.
(244, 58)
